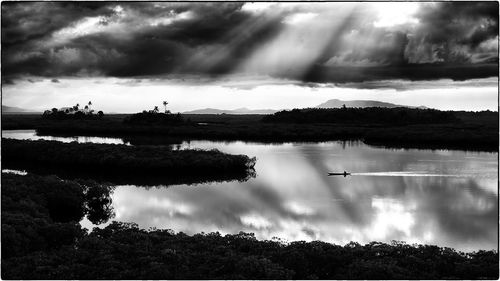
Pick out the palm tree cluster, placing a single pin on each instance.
(72, 112)
(157, 110)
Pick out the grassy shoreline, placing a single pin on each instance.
(477, 131)
(58, 248)
(125, 164)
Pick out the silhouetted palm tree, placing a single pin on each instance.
(86, 108)
(90, 104)
(156, 110)
(165, 105)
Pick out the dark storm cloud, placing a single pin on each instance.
(464, 22)
(455, 40)
(23, 22)
(125, 46)
(413, 72)
(25, 25)
(452, 32)
(139, 39)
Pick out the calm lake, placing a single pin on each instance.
(443, 197)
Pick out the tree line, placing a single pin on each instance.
(118, 163)
(368, 115)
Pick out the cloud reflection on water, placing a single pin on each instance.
(293, 198)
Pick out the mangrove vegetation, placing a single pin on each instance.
(123, 164)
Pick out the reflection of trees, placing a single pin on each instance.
(43, 212)
(97, 201)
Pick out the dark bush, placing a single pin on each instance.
(368, 115)
(123, 251)
(117, 163)
(55, 114)
(41, 213)
(144, 118)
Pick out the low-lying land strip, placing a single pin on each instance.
(37, 243)
(125, 164)
(394, 127)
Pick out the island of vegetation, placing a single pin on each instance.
(42, 239)
(122, 164)
(154, 117)
(389, 127)
(72, 113)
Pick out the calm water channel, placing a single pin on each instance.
(443, 197)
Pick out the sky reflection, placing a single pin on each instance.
(293, 198)
(31, 135)
(443, 197)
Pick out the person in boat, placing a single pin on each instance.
(345, 174)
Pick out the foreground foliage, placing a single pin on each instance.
(42, 213)
(38, 243)
(125, 164)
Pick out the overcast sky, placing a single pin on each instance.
(359, 44)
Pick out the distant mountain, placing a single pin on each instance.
(13, 109)
(242, 110)
(334, 103)
(362, 103)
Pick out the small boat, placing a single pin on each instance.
(345, 174)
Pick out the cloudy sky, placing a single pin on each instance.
(127, 56)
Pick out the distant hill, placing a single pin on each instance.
(334, 103)
(12, 109)
(242, 110)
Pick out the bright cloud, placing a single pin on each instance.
(395, 13)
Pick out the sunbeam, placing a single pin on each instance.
(303, 39)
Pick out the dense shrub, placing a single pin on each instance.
(368, 115)
(55, 114)
(118, 163)
(145, 118)
(42, 213)
(123, 251)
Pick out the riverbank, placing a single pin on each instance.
(465, 130)
(123, 164)
(61, 249)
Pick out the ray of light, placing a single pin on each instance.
(209, 57)
(302, 40)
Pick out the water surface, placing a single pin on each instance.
(448, 198)
(32, 135)
(443, 197)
